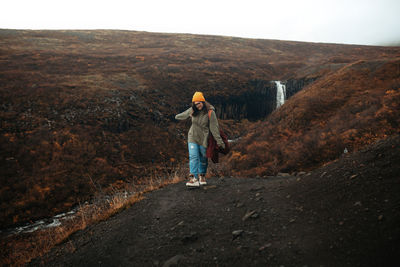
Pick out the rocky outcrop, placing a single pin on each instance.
(254, 103)
(257, 102)
(295, 85)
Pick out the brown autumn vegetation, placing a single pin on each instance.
(89, 111)
(347, 109)
(18, 250)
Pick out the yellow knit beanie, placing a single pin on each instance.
(198, 97)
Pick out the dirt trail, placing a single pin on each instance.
(346, 213)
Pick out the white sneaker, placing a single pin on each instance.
(202, 179)
(193, 182)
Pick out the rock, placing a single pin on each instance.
(300, 208)
(237, 233)
(174, 260)
(248, 215)
(193, 236)
(239, 205)
(264, 247)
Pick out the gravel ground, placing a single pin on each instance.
(346, 213)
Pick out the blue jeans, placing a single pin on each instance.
(198, 161)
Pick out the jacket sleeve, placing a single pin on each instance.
(214, 128)
(184, 115)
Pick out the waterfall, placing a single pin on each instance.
(280, 94)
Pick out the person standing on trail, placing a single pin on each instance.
(202, 125)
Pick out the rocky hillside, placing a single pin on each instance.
(88, 111)
(345, 110)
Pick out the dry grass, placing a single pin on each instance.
(18, 250)
(220, 169)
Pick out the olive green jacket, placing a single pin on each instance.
(201, 126)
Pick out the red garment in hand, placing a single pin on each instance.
(213, 149)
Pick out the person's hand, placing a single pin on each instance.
(221, 146)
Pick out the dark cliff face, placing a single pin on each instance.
(254, 103)
(257, 102)
(295, 85)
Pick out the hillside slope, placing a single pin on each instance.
(89, 111)
(343, 214)
(347, 109)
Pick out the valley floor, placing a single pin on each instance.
(346, 213)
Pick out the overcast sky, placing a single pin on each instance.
(330, 21)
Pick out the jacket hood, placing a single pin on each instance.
(209, 106)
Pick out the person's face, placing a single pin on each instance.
(199, 105)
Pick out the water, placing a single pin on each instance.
(57, 220)
(41, 224)
(234, 140)
(280, 93)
